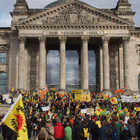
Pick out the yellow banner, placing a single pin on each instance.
(78, 91)
(52, 89)
(85, 97)
(77, 97)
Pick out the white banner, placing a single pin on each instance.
(130, 98)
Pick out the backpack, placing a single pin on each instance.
(132, 130)
(114, 134)
(85, 132)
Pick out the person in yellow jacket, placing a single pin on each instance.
(98, 122)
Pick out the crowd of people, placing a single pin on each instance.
(64, 119)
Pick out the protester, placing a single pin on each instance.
(42, 136)
(94, 129)
(125, 133)
(78, 132)
(117, 124)
(139, 131)
(86, 129)
(103, 130)
(58, 130)
(68, 132)
(29, 128)
(48, 130)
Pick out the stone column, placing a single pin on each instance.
(85, 78)
(126, 64)
(42, 62)
(101, 68)
(121, 70)
(106, 80)
(62, 65)
(21, 72)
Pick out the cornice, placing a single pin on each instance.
(125, 13)
(75, 26)
(135, 33)
(7, 32)
(19, 13)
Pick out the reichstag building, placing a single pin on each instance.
(70, 45)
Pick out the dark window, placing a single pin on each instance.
(53, 69)
(3, 83)
(2, 58)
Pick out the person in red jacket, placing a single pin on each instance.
(59, 130)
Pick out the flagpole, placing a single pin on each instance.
(11, 107)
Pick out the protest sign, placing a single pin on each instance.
(77, 97)
(46, 108)
(85, 97)
(90, 111)
(84, 111)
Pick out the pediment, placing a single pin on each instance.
(4, 47)
(73, 13)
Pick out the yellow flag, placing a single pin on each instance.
(137, 108)
(97, 105)
(125, 110)
(49, 111)
(68, 110)
(98, 111)
(15, 119)
(113, 100)
(135, 97)
(105, 97)
(12, 89)
(31, 110)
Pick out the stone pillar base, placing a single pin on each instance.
(107, 91)
(135, 92)
(62, 91)
(128, 92)
(85, 91)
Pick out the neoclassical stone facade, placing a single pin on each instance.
(64, 23)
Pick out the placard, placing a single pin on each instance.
(46, 108)
(84, 111)
(77, 97)
(90, 111)
(52, 89)
(85, 97)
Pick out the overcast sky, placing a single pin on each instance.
(6, 6)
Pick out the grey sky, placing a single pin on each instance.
(6, 6)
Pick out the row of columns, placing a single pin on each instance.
(104, 63)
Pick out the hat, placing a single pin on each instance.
(48, 121)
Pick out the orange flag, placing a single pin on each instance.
(41, 96)
(121, 90)
(45, 90)
(77, 107)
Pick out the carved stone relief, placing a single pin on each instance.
(75, 15)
